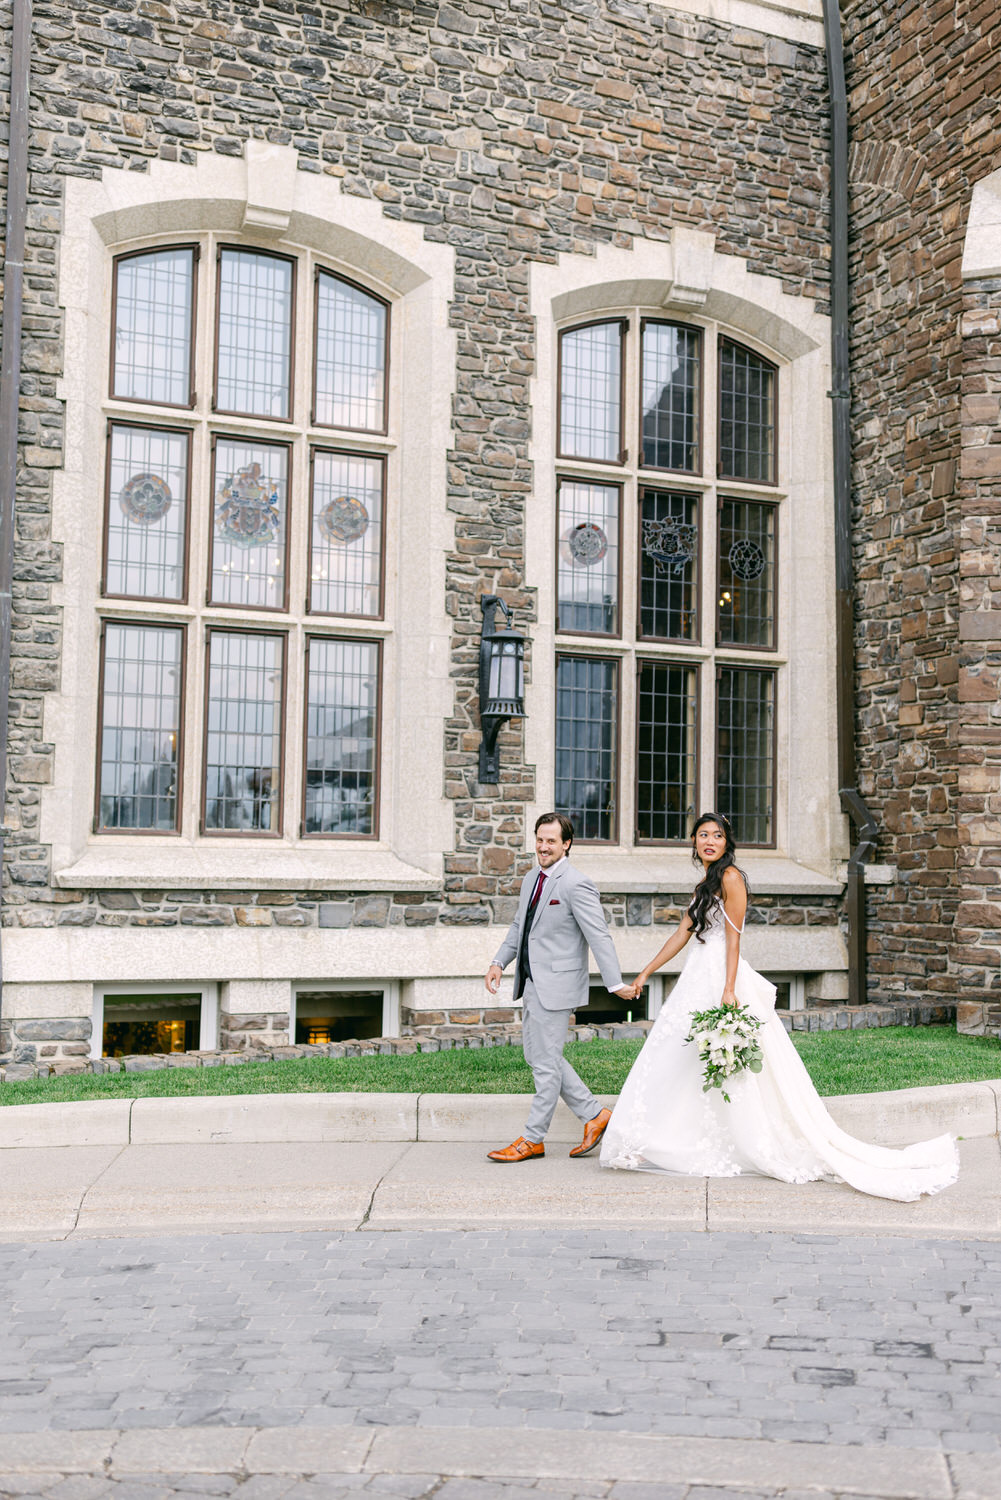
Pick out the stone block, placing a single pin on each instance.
(335, 913)
(639, 911)
(118, 900)
(371, 911)
(63, 1029)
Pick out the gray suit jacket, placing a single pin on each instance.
(569, 921)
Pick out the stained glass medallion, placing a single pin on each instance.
(669, 544)
(586, 544)
(145, 499)
(247, 510)
(343, 519)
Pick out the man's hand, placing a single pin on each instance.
(493, 978)
(627, 991)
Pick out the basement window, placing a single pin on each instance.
(338, 1015)
(140, 1024)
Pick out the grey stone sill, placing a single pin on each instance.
(874, 874)
(232, 865)
(647, 870)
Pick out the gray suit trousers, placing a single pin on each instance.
(543, 1037)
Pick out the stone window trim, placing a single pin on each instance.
(122, 214)
(628, 646)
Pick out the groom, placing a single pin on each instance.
(559, 918)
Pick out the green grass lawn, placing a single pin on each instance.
(840, 1062)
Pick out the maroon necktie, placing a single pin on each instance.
(538, 891)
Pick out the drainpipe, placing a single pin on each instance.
(10, 360)
(865, 825)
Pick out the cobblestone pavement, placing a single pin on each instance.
(814, 1339)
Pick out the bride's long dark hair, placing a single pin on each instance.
(708, 893)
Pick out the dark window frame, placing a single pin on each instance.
(97, 828)
(249, 439)
(383, 461)
(762, 501)
(641, 661)
(616, 778)
(379, 645)
(243, 833)
(766, 671)
(582, 458)
(186, 432)
(195, 249)
(699, 497)
(696, 470)
(601, 635)
(723, 339)
(293, 261)
(318, 272)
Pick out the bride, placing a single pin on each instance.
(776, 1125)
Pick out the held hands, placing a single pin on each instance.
(493, 978)
(634, 990)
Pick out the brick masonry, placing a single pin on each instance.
(923, 80)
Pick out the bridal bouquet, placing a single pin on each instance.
(727, 1044)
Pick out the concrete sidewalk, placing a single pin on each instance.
(392, 1161)
(665, 1464)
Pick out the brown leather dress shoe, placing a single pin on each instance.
(519, 1150)
(593, 1131)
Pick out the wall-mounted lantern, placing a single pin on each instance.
(502, 681)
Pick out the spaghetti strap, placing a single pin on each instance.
(730, 920)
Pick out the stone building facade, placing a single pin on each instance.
(593, 242)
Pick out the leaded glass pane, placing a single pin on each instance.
(147, 512)
(250, 488)
(341, 714)
(745, 752)
(591, 392)
(154, 295)
(350, 356)
(668, 566)
(746, 415)
(253, 373)
(140, 727)
(586, 720)
(243, 734)
(670, 396)
(665, 750)
(588, 569)
(746, 602)
(346, 554)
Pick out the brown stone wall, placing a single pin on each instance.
(923, 82)
(977, 957)
(513, 133)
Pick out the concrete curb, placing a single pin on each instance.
(530, 1453)
(892, 1119)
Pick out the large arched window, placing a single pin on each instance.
(666, 590)
(244, 545)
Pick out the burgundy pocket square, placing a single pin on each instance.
(554, 903)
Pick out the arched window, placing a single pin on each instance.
(666, 586)
(244, 545)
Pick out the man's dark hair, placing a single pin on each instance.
(566, 827)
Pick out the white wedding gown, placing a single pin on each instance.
(776, 1124)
